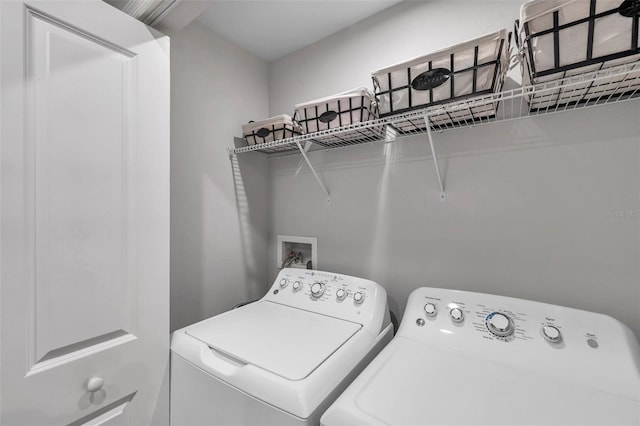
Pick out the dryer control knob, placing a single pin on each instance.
(456, 315)
(551, 334)
(358, 297)
(341, 294)
(500, 324)
(284, 282)
(317, 290)
(297, 285)
(430, 309)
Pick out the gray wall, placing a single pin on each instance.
(219, 207)
(529, 204)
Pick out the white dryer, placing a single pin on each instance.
(283, 359)
(463, 358)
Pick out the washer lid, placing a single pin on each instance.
(286, 341)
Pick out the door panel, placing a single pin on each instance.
(114, 414)
(84, 214)
(83, 193)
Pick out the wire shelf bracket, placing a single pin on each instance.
(315, 174)
(427, 124)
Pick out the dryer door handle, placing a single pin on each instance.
(218, 362)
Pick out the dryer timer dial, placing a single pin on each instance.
(500, 324)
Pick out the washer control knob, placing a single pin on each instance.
(297, 285)
(341, 294)
(358, 297)
(456, 314)
(430, 309)
(551, 334)
(317, 290)
(500, 324)
(284, 282)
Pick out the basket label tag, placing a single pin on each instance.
(431, 79)
(629, 8)
(328, 116)
(263, 133)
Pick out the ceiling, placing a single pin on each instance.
(271, 29)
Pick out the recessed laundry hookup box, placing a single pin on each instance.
(271, 129)
(473, 68)
(340, 111)
(563, 38)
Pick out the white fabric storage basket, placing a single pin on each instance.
(271, 129)
(563, 38)
(350, 107)
(468, 69)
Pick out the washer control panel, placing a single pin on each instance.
(579, 345)
(329, 293)
(487, 316)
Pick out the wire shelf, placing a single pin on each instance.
(610, 85)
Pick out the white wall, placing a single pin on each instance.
(526, 207)
(219, 208)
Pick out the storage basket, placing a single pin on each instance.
(563, 38)
(468, 69)
(340, 110)
(270, 129)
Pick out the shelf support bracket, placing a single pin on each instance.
(427, 123)
(307, 146)
(315, 174)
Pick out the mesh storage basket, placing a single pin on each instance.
(563, 38)
(340, 110)
(270, 129)
(468, 69)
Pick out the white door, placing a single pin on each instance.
(84, 209)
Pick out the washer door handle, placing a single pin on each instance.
(218, 362)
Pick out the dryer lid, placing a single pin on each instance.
(392, 391)
(286, 341)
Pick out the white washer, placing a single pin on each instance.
(475, 359)
(283, 359)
